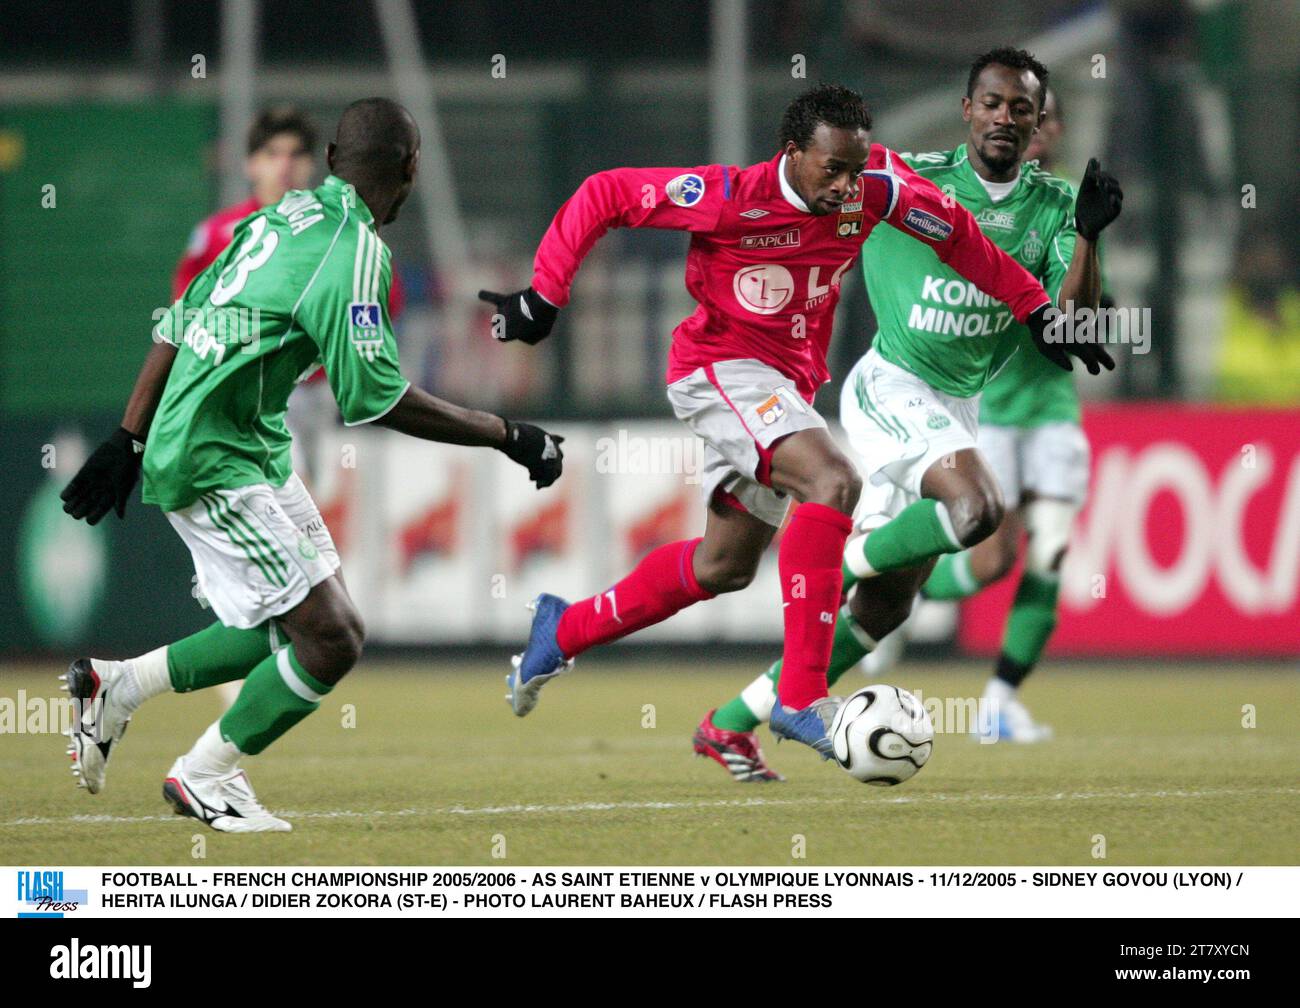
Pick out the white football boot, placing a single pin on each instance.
(101, 717)
(1010, 721)
(226, 803)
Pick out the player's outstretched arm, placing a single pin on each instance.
(422, 415)
(680, 199)
(107, 478)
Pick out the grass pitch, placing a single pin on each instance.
(437, 771)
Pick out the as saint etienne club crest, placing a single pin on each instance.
(1031, 249)
(363, 325)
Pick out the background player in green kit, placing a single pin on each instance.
(910, 406)
(303, 283)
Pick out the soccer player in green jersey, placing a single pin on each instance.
(303, 283)
(1031, 437)
(911, 405)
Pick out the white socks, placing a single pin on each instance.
(141, 678)
(855, 558)
(212, 756)
(999, 692)
(760, 697)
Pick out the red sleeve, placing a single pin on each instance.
(682, 199)
(916, 206)
(396, 296)
(193, 260)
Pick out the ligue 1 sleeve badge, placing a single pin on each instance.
(363, 319)
(685, 190)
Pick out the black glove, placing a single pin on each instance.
(106, 480)
(528, 315)
(1045, 324)
(1099, 202)
(535, 450)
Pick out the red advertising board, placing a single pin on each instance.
(1189, 543)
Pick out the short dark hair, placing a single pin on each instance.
(831, 104)
(282, 119)
(374, 140)
(1016, 59)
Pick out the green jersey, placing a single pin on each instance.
(301, 284)
(1030, 390)
(936, 323)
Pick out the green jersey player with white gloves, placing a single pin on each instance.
(911, 405)
(303, 283)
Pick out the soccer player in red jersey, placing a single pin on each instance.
(769, 244)
(281, 156)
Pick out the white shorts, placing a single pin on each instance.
(258, 550)
(898, 426)
(741, 408)
(1050, 461)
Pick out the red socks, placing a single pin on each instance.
(664, 583)
(812, 551)
(660, 585)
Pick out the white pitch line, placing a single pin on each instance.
(656, 806)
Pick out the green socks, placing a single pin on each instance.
(744, 713)
(277, 694)
(951, 578)
(921, 530)
(1032, 619)
(735, 714)
(215, 655)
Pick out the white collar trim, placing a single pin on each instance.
(998, 191)
(791, 197)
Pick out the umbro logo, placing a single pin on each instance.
(754, 214)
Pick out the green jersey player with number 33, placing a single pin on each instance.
(303, 283)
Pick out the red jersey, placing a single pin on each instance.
(765, 272)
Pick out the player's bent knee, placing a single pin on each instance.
(337, 643)
(837, 485)
(339, 652)
(976, 516)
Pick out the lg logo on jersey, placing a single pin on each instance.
(766, 289)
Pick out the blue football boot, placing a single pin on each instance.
(542, 660)
(811, 726)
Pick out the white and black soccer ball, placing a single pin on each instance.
(882, 735)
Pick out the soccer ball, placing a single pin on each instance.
(882, 735)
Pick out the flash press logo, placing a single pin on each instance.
(43, 894)
(75, 961)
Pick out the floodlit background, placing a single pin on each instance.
(122, 125)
